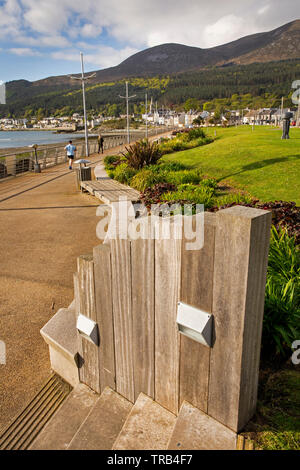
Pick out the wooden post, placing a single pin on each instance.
(142, 269)
(197, 290)
(122, 308)
(89, 371)
(241, 258)
(104, 314)
(167, 292)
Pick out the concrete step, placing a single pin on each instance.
(60, 334)
(149, 426)
(61, 429)
(103, 424)
(195, 430)
(28, 424)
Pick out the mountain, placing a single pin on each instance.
(281, 44)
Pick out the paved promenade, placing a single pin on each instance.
(45, 224)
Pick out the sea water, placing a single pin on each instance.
(9, 139)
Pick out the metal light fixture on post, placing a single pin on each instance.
(37, 166)
(83, 80)
(127, 98)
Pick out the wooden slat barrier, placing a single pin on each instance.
(89, 371)
(132, 289)
(122, 308)
(167, 292)
(143, 277)
(197, 272)
(104, 315)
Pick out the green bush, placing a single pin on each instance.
(124, 173)
(110, 160)
(191, 194)
(142, 153)
(146, 178)
(181, 143)
(282, 303)
(196, 134)
(169, 166)
(183, 177)
(233, 198)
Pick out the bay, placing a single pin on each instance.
(14, 139)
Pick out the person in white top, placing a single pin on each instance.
(71, 149)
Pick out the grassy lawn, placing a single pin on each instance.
(255, 161)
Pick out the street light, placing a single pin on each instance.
(83, 80)
(127, 98)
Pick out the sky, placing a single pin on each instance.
(41, 38)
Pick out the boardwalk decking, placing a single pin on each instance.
(108, 190)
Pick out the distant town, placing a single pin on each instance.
(163, 117)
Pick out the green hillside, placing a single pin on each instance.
(262, 84)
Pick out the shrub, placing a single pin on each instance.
(169, 166)
(282, 303)
(181, 143)
(191, 194)
(196, 134)
(233, 199)
(142, 153)
(153, 195)
(183, 177)
(146, 178)
(123, 173)
(110, 161)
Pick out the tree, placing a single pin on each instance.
(191, 103)
(40, 114)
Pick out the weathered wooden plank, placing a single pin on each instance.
(197, 290)
(241, 256)
(142, 269)
(86, 286)
(76, 293)
(89, 371)
(167, 291)
(122, 308)
(104, 313)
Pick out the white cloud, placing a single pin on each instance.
(105, 57)
(226, 29)
(264, 9)
(24, 51)
(90, 30)
(62, 27)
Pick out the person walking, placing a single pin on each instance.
(100, 143)
(71, 149)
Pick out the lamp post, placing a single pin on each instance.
(146, 109)
(83, 80)
(127, 98)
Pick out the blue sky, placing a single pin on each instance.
(41, 38)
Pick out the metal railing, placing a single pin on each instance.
(22, 161)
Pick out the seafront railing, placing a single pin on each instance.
(17, 162)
